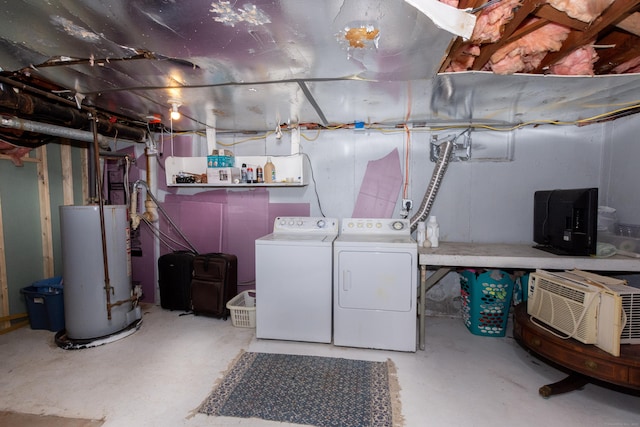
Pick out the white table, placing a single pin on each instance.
(448, 256)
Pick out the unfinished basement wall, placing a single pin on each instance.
(30, 196)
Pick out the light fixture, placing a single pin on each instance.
(174, 113)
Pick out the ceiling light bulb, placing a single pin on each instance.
(175, 114)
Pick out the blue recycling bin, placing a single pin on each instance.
(45, 304)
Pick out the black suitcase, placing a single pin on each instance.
(175, 271)
(214, 283)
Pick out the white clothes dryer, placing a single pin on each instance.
(375, 285)
(294, 279)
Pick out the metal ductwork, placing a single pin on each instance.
(434, 184)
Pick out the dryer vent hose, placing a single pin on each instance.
(434, 185)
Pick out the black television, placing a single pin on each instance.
(565, 222)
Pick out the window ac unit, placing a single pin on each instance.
(568, 305)
(593, 309)
(630, 302)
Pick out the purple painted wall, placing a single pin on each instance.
(143, 266)
(213, 221)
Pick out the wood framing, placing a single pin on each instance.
(45, 211)
(67, 173)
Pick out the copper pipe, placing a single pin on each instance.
(98, 182)
(132, 298)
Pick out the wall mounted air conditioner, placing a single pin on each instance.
(590, 308)
(568, 306)
(630, 300)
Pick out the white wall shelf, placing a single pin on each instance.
(289, 171)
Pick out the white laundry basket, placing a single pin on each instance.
(243, 309)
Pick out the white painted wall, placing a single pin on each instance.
(621, 174)
(480, 201)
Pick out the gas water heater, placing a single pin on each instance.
(92, 308)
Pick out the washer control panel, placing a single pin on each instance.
(375, 226)
(301, 224)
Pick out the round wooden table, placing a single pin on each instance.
(585, 362)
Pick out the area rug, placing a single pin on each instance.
(310, 390)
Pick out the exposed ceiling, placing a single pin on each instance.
(260, 64)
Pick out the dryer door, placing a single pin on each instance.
(374, 280)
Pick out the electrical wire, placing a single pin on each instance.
(164, 238)
(127, 193)
(407, 153)
(311, 139)
(407, 156)
(632, 108)
(253, 138)
(315, 184)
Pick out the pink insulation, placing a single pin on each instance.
(583, 10)
(631, 66)
(465, 59)
(16, 153)
(526, 53)
(577, 63)
(491, 20)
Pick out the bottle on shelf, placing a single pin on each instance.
(433, 231)
(421, 234)
(249, 174)
(243, 173)
(259, 175)
(269, 171)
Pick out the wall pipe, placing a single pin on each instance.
(135, 218)
(92, 172)
(64, 111)
(151, 207)
(434, 184)
(54, 130)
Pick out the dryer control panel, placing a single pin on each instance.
(386, 226)
(295, 224)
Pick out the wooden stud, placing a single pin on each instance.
(45, 211)
(67, 173)
(552, 14)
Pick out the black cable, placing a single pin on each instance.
(315, 185)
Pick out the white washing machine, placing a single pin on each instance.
(375, 285)
(294, 279)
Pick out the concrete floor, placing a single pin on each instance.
(159, 375)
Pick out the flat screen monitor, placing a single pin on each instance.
(565, 222)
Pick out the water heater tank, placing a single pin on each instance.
(85, 300)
